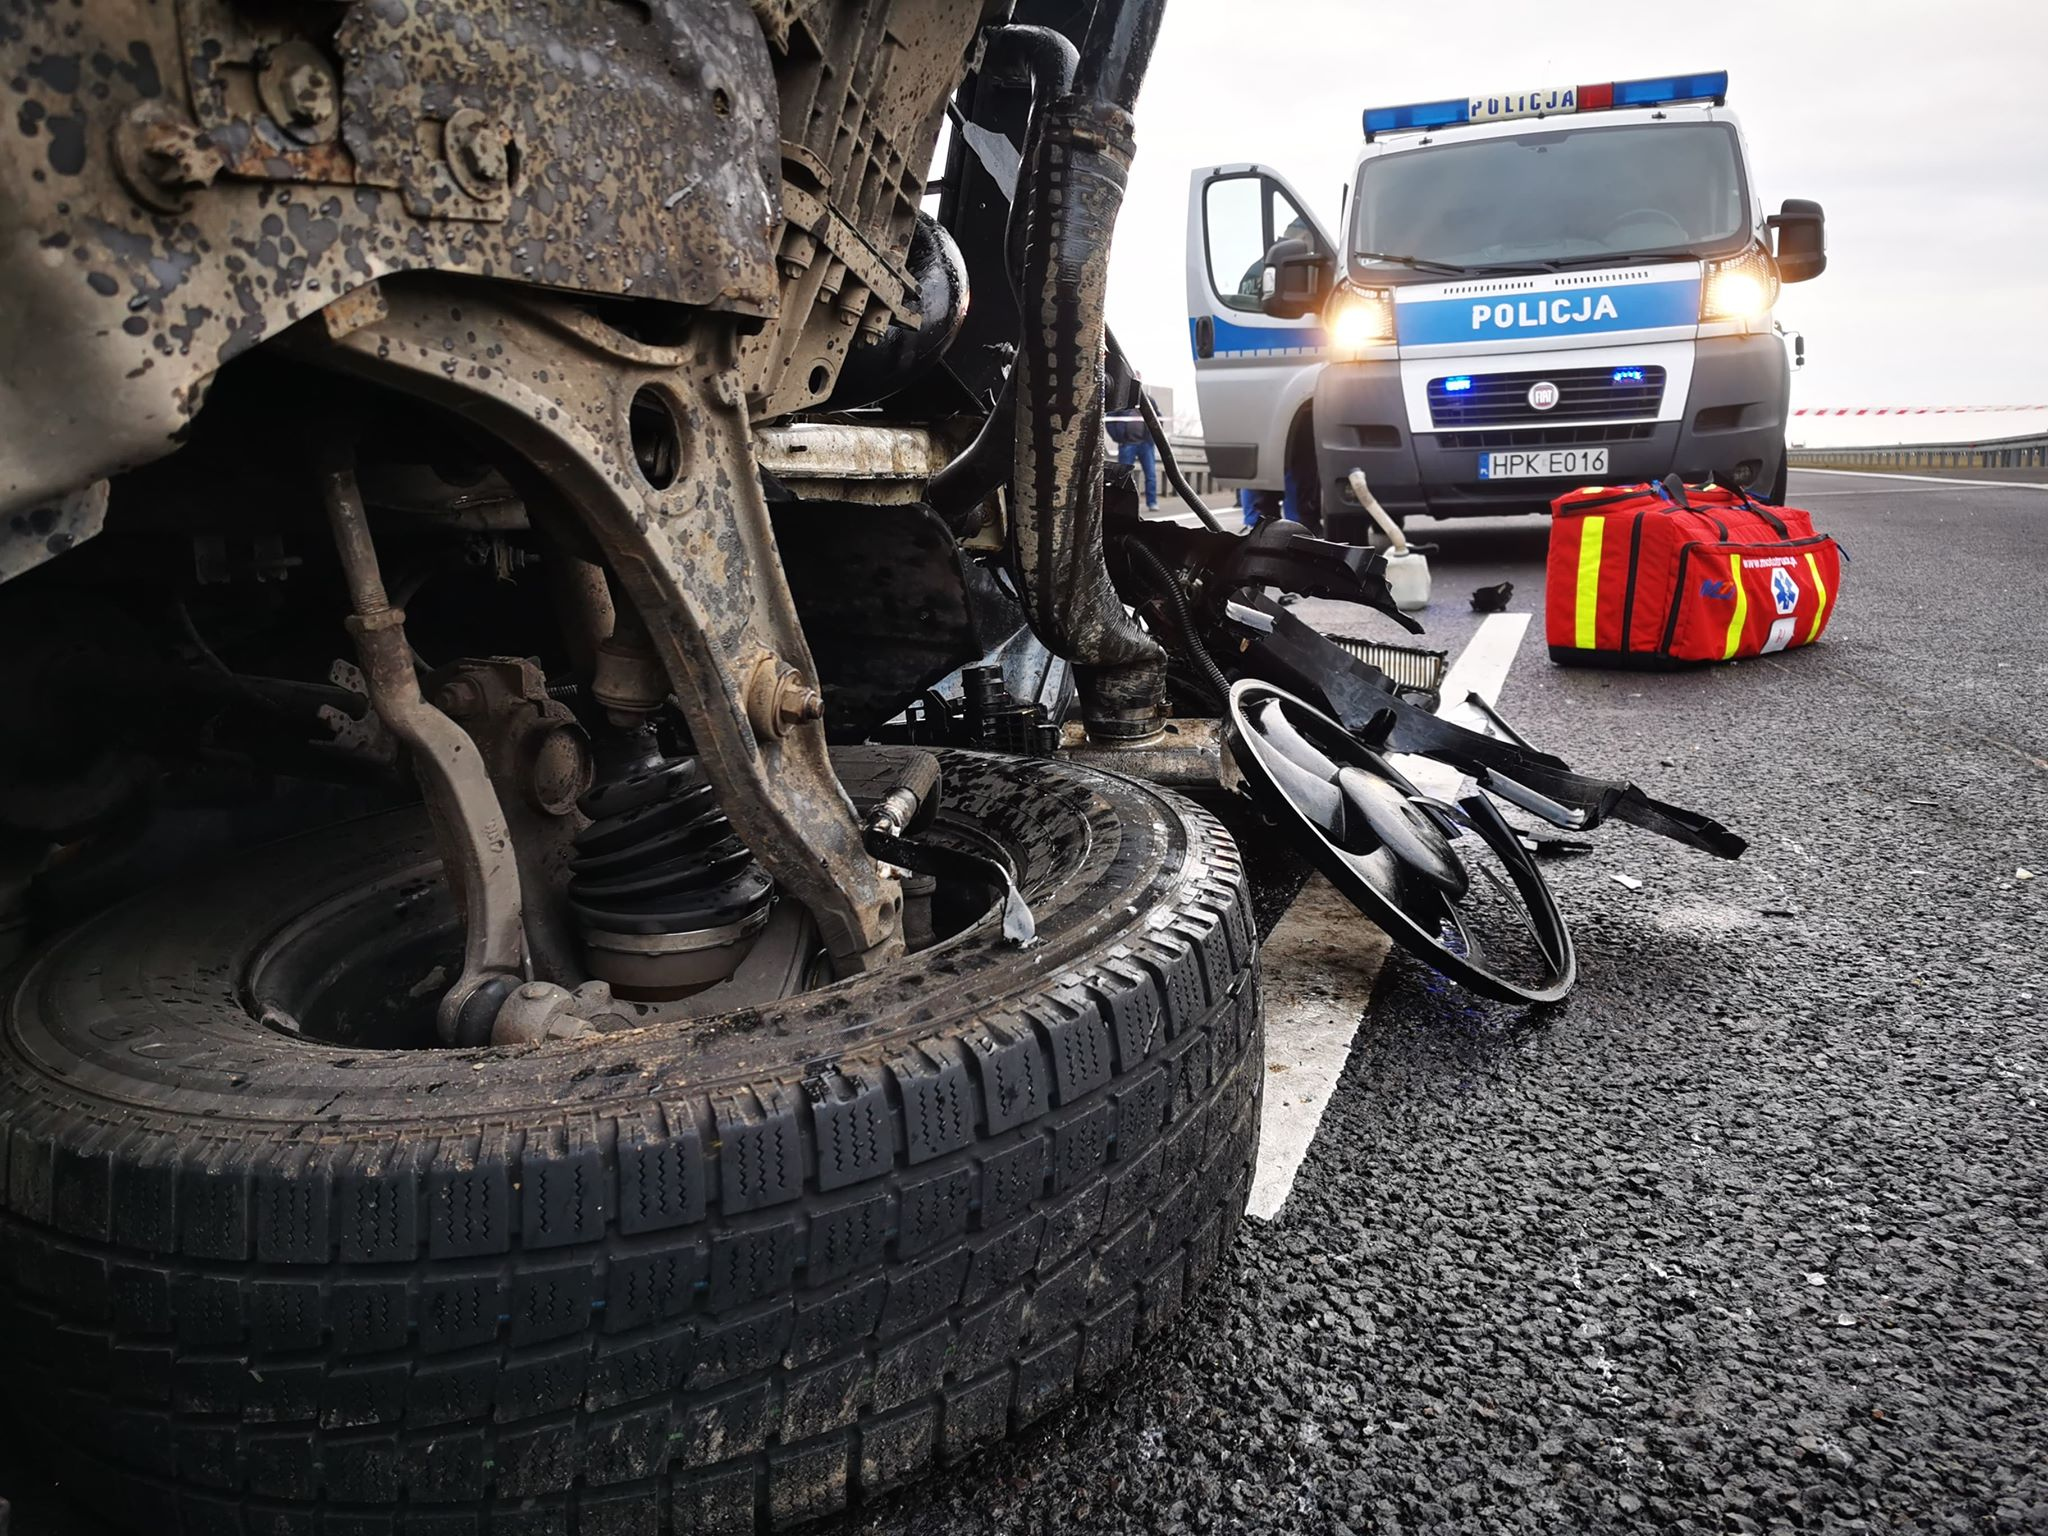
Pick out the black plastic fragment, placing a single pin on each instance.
(1493, 599)
(1295, 657)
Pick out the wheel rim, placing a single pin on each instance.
(364, 968)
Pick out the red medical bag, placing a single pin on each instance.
(1661, 575)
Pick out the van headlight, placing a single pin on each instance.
(1357, 318)
(1741, 288)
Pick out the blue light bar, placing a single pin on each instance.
(1628, 375)
(1712, 86)
(1421, 114)
(1663, 91)
(1457, 386)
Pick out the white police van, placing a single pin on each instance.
(1533, 291)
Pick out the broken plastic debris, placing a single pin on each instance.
(2023, 874)
(1019, 927)
(1493, 599)
(1627, 882)
(1553, 847)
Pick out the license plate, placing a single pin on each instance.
(1543, 464)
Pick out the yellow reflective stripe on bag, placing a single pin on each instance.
(1586, 621)
(1741, 608)
(1821, 587)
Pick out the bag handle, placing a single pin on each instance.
(1777, 523)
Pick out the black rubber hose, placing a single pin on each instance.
(1183, 618)
(1072, 191)
(967, 480)
(1116, 50)
(1174, 477)
(1049, 60)
(1157, 431)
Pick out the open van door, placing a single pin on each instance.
(1255, 369)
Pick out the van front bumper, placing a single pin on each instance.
(1733, 422)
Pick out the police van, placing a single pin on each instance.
(1532, 291)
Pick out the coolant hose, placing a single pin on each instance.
(1072, 187)
(1048, 60)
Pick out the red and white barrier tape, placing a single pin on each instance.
(1910, 410)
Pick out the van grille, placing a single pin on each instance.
(1547, 437)
(1583, 394)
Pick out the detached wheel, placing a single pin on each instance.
(725, 1276)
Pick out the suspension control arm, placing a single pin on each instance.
(469, 824)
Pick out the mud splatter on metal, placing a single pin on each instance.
(130, 302)
(691, 547)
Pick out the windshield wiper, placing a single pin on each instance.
(1630, 259)
(1457, 269)
(1418, 263)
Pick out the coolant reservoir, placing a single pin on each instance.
(1408, 579)
(1407, 569)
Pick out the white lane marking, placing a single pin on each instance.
(1319, 965)
(1873, 474)
(1323, 957)
(1481, 668)
(1173, 510)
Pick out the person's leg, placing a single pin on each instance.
(1247, 503)
(1148, 457)
(1290, 498)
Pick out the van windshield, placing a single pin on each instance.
(1555, 196)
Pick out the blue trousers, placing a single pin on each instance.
(1257, 504)
(1146, 455)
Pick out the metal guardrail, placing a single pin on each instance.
(1193, 458)
(1997, 453)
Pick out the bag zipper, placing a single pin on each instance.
(1678, 586)
(1628, 593)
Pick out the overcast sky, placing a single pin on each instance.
(1921, 128)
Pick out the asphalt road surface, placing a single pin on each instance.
(1747, 1235)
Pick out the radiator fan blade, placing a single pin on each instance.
(1451, 884)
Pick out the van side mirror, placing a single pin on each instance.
(1295, 281)
(1801, 244)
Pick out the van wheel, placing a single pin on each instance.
(725, 1275)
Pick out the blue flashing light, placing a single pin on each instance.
(1421, 114)
(1457, 386)
(1712, 86)
(1628, 375)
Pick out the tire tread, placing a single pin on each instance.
(734, 1311)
